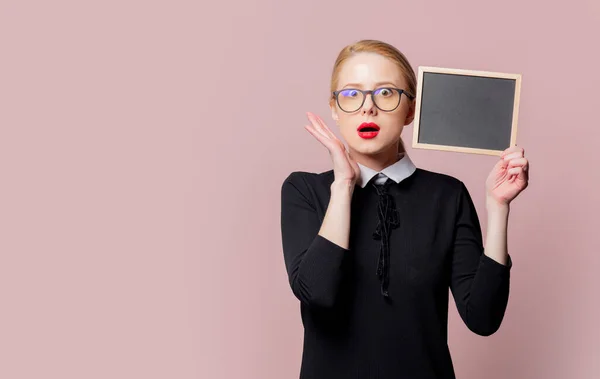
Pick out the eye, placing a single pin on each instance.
(350, 93)
(385, 92)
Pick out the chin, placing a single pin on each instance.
(370, 147)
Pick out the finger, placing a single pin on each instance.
(324, 126)
(335, 147)
(316, 125)
(348, 155)
(319, 136)
(501, 164)
(518, 162)
(516, 172)
(513, 149)
(510, 156)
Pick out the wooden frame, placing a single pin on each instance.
(427, 69)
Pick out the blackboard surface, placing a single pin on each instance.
(465, 110)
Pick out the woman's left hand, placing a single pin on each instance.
(509, 176)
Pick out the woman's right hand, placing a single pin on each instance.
(345, 168)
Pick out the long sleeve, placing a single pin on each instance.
(479, 284)
(313, 263)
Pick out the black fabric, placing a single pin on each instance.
(429, 243)
(387, 220)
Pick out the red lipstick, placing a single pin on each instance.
(368, 130)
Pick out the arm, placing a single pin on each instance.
(336, 224)
(314, 252)
(496, 245)
(479, 282)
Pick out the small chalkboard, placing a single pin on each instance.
(465, 110)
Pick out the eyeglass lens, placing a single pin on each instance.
(386, 99)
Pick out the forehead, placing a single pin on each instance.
(367, 69)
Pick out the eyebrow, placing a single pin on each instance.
(376, 84)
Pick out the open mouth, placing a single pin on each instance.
(368, 130)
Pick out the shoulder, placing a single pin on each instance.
(439, 188)
(446, 189)
(308, 182)
(438, 182)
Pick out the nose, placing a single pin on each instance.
(369, 107)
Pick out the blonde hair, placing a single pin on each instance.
(383, 49)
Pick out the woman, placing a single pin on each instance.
(372, 246)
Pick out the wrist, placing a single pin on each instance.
(342, 186)
(496, 206)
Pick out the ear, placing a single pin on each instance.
(334, 111)
(410, 116)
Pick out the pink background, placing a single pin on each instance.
(144, 143)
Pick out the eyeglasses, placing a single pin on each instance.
(386, 98)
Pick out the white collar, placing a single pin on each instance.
(400, 170)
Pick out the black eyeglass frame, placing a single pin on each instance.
(370, 92)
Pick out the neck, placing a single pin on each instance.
(380, 160)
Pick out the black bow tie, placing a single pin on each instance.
(388, 219)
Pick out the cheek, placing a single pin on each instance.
(399, 114)
(348, 123)
(397, 118)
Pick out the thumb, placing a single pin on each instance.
(347, 151)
